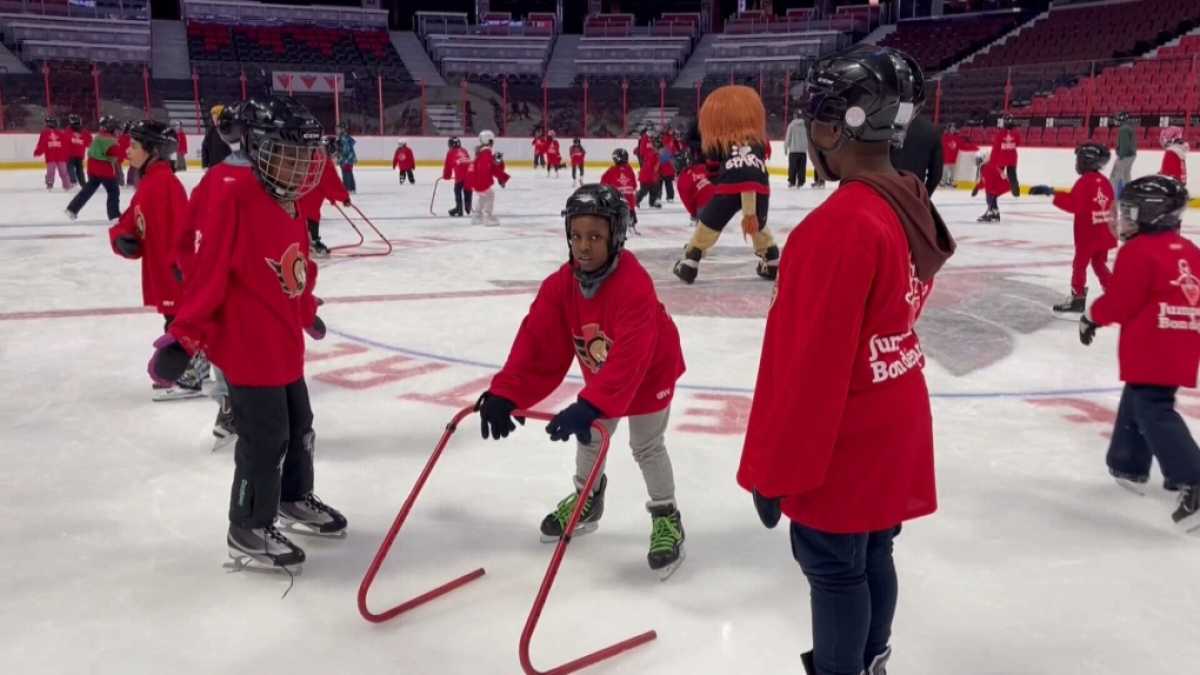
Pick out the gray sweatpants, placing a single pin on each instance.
(1122, 172)
(646, 433)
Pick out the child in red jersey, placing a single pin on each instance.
(103, 155)
(181, 153)
(486, 170)
(248, 304)
(52, 145)
(651, 183)
(621, 178)
(1175, 149)
(695, 184)
(993, 183)
(600, 308)
(540, 142)
(1004, 152)
(1154, 295)
(404, 161)
(578, 157)
(78, 142)
(330, 188)
(1092, 203)
(553, 154)
(457, 166)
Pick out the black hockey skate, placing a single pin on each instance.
(311, 516)
(319, 249)
(456, 213)
(687, 268)
(806, 660)
(666, 539)
(1187, 516)
(879, 663)
(555, 522)
(266, 546)
(768, 265)
(189, 385)
(1132, 482)
(1073, 303)
(989, 216)
(223, 427)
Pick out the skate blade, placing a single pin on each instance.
(580, 530)
(1138, 489)
(176, 394)
(244, 562)
(293, 527)
(223, 441)
(665, 573)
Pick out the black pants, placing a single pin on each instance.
(539, 160)
(719, 210)
(573, 168)
(653, 190)
(89, 189)
(314, 231)
(797, 168)
(462, 197)
(75, 170)
(668, 183)
(1148, 426)
(853, 585)
(348, 178)
(1012, 180)
(407, 175)
(993, 203)
(273, 459)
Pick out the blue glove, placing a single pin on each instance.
(575, 419)
(768, 509)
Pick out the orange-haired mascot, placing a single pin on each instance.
(733, 131)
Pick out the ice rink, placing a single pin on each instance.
(113, 509)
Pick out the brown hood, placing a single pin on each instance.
(928, 237)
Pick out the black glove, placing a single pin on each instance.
(495, 415)
(169, 361)
(1087, 329)
(575, 419)
(177, 273)
(1043, 190)
(129, 246)
(317, 330)
(768, 509)
(347, 202)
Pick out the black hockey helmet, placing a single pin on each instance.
(1008, 122)
(109, 123)
(595, 199)
(871, 93)
(1122, 117)
(156, 138)
(229, 123)
(1091, 157)
(75, 122)
(1150, 204)
(283, 141)
(453, 142)
(620, 156)
(51, 122)
(576, 141)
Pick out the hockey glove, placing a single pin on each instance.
(317, 330)
(495, 415)
(768, 509)
(169, 362)
(128, 245)
(346, 203)
(1087, 329)
(575, 419)
(1041, 190)
(177, 273)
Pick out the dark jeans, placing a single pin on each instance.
(668, 183)
(993, 203)
(407, 175)
(89, 189)
(314, 231)
(348, 177)
(1012, 180)
(853, 584)
(462, 197)
(797, 168)
(653, 190)
(573, 168)
(273, 459)
(1148, 426)
(75, 170)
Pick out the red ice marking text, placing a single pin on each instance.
(377, 373)
(729, 418)
(339, 349)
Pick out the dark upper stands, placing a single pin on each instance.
(939, 43)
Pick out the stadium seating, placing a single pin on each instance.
(307, 47)
(938, 43)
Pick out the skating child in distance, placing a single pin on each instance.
(993, 183)
(404, 162)
(1004, 152)
(101, 170)
(1091, 201)
(651, 185)
(645, 143)
(181, 153)
(578, 158)
(1154, 295)
(666, 168)
(124, 177)
(78, 142)
(485, 172)
(248, 304)
(695, 183)
(1175, 149)
(848, 456)
(621, 178)
(52, 145)
(602, 309)
(329, 188)
(153, 223)
(553, 154)
(458, 161)
(539, 149)
(348, 157)
(733, 132)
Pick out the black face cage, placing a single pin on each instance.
(288, 168)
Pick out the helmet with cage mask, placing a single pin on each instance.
(283, 142)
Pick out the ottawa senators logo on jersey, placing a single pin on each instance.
(291, 270)
(593, 347)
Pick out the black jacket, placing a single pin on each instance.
(214, 150)
(921, 153)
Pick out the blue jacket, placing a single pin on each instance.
(346, 154)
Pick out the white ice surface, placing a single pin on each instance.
(113, 510)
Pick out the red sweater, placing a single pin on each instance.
(157, 215)
(992, 177)
(1092, 202)
(331, 187)
(78, 143)
(695, 188)
(626, 344)
(621, 177)
(1154, 295)
(250, 294)
(578, 154)
(218, 177)
(458, 160)
(183, 147)
(553, 152)
(950, 148)
(52, 143)
(1004, 148)
(1174, 163)
(648, 167)
(485, 171)
(539, 146)
(840, 425)
(403, 159)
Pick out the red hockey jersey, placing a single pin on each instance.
(52, 144)
(553, 153)
(648, 167)
(218, 177)
(458, 161)
(485, 171)
(626, 344)
(331, 187)
(250, 294)
(1091, 201)
(950, 148)
(539, 146)
(1154, 295)
(403, 160)
(578, 155)
(621, 177)
(157, 215)
(993, 179)
(183, 143)
(78, 143)
(695, 188)
(840, 425)
(1004, 147)
(1174, 163)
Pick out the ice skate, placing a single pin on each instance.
(687, 268)
(806, 660)
(555, 522)
(262, 548)
(319, 249)
(311, 516)
(190, 383)
(456, 213)
(1134, 483)
(178, 392)
(989, 216)
(768, 264)
(1073, 303)
(879, 663)
(666, 538)
(71, 215)
(224, 430)
(1187, 515)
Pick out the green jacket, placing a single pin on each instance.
(1126, 142)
